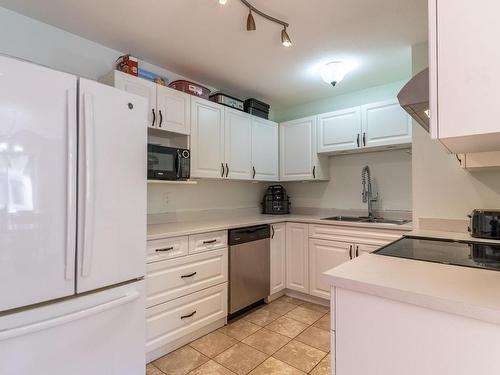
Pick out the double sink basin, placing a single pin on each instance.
(366, 219)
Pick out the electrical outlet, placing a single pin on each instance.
(166, 198)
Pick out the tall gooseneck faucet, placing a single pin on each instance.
(367, 194)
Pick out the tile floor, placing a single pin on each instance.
(287, 336)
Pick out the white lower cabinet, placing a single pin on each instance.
(297, 257)
(361, 249)
(172, 320)
(170, 279)
(325, 255)
(186, 289)
(278, 257)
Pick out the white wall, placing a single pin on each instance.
(35, 41)
(441, 188)
(391, 176)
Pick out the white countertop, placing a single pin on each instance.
(469, 292)
(182, 228)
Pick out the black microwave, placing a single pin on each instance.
(168, 163)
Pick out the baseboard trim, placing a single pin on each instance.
(307, 297)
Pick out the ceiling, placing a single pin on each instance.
(209, 42)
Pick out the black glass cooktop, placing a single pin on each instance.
(461, 253)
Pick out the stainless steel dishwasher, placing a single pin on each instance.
(249, 266)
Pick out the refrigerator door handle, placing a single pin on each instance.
(88, 209)
(69, 272)
(64, 319)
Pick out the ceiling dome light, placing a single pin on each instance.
(285, 38)
(333, 72)
(222, 2)
(250, 22)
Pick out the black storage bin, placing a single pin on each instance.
(257, 104)
(257, 112)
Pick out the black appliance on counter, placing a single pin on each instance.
(168, 163)
(485, 255)
(276, 201)
(485, 224)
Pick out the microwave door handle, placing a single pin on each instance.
(179, 166)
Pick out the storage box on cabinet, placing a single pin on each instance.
(167, 248)
(199, 243)
(172, 320)
(169, 279)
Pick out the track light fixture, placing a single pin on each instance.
(285, 38)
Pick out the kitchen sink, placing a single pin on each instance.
(365, 219)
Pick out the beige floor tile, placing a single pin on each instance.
(239, 329)
(286, 327)
(152, 370)
(299, 355)
(261, 317)
(181, 361)
(241, 358)
(324, 322)
(213, 344)
(323, 368)
(315, 337)
(292, 300)
(272, 366)
(211, 368)
(279, 307)
(304, 315)
(316, 307)
(266, 341)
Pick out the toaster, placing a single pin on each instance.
(485, 224)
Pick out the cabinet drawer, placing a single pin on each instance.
(368, 236)
(172, 320)
(174, 278)
(167, 248)
(199, 243)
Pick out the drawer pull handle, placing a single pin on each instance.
(187, 276)
(164, 249)
(209, 242)
(188, 315)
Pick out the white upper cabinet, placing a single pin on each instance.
(207, 139)
(168, 109)
(339, 130)
(173, 110)
(265, 155)
(298, 151)
(384, 124)
(464, 75)
(238, 145)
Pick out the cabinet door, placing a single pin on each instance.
(238, 147)
(265, 158)
(296, 149)
(207, 139)
(365, 249)
(297, 257)
(173, 108)
(278, 257)
(385, 123)
(325, 255)
(339, 130)
(464, 86)
(141, 87)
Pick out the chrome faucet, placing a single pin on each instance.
(367, 194)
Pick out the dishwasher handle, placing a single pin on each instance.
(248, 234)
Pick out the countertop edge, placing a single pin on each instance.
(206, 227)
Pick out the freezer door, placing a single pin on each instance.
(37, 183)
(99, 333)
(112, 186)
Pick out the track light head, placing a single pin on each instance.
(285, 38)
(250, 22)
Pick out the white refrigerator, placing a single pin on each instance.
(72, 224)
